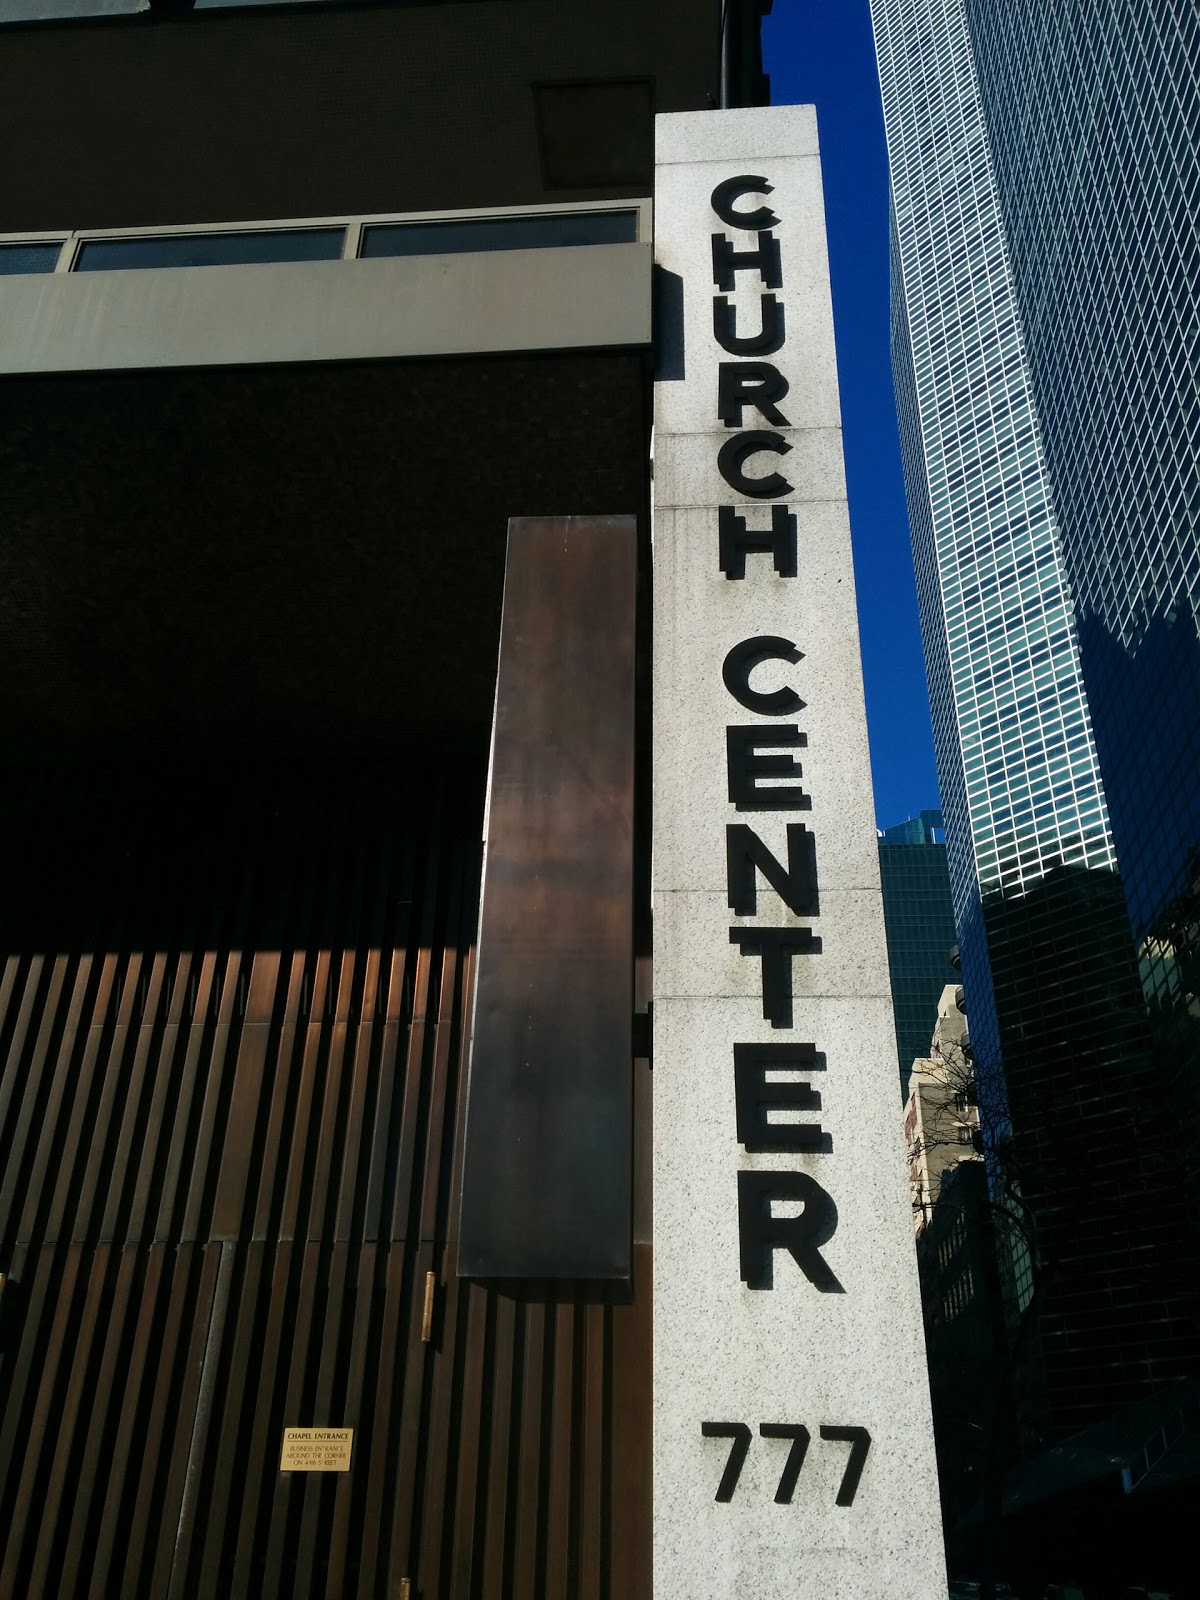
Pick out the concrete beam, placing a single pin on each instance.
(511, 300)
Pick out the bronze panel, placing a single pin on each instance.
(547, 1159)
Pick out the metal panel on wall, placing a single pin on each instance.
(547, 1161)
(232, 1005)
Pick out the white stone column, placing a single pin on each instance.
(831, 1353)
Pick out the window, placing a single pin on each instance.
(210, 249)
(19, 258)
(536, 232)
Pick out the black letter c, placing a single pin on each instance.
(733, 454)
(733, 189)
(741, 662)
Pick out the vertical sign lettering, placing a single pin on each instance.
(761, 386)
(785, 1282)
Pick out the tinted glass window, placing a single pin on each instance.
(28, 257)
(500, 233)
(210, 249)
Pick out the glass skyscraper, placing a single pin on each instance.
(1094, 118)
(1052, 583)
(1016, 759)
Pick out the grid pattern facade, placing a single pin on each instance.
(960, 846)
(1094, 118)
(989, 564)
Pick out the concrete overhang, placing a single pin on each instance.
(288, 556)
(416, 306)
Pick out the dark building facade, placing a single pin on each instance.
(1104, 1264)
(918, 910)
(253, 557)
(963, 1321)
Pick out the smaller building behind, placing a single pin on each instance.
(959, 1286)
(919, 917)
(941, 1118)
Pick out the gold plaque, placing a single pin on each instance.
(316, 1450)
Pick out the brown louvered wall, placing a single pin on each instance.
(232, 1010)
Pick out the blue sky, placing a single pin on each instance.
(820, 52)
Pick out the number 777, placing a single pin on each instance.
(739, 1435)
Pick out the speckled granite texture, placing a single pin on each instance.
(791, 1354)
